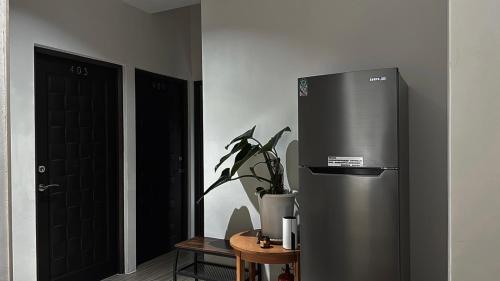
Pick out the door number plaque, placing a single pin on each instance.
(79, 70)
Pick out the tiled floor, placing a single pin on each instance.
(158, 269)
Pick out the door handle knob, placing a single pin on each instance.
(43, 187)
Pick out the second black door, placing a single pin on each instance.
(161, 130)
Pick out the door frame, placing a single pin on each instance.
(199, 213)
(185, 146)
(120, 204)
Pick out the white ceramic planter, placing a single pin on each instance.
(273, 207)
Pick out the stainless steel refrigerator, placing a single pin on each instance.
(353, 174)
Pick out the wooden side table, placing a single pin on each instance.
(246, 249)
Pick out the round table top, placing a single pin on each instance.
(246, 242)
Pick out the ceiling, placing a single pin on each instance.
(155, 6)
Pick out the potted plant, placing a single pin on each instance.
(275, 201)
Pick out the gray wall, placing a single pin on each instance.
(474, 140)
(196, 42)
(105, 30)
(5, 226)
(253, 52)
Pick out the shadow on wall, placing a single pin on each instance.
(428, 190)
(240, 218)
(292, 170)
(291, 166)
(240, 221)
(250, 184)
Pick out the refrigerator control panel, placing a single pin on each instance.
(336, 161)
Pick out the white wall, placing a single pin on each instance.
(253, 53)
(105, 30)
(5, 226)
(474, 140)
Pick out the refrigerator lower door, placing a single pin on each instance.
(349, 226)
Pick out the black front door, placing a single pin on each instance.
(161, 133)
(77, 147)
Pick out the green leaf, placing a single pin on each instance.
(246, 153)
(224, 177)
(271, 144)
(235, 149)
(246, 135)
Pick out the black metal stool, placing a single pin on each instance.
(201, 269)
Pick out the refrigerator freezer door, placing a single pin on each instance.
(350, 117)
(349, 226)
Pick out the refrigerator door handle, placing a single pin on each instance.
(356, 171)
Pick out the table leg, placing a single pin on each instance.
(175, 265)
(252, 271)
(196, 265)
(240, 269)
(296, 270)
(259, 268)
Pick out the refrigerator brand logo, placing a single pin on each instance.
(303, 87)
(381, 78)
(335, 161)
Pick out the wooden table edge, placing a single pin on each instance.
(262, 257)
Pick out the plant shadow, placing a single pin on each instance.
(292, 165)
(250, 184)
(240, 221)
(291, 168)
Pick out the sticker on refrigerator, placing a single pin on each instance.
(335, 161)
(303, 87)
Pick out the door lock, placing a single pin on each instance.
(43, 187)
(41, 169)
